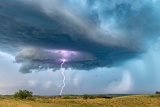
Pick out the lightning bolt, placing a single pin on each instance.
(62, 69)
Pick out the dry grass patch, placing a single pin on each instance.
(127, 101)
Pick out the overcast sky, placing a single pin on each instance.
(107, 46)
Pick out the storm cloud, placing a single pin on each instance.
(103, 33)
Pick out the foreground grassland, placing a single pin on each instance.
(125, 101)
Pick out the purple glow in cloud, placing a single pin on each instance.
(68, 55)
(37, 58)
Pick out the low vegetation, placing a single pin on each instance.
(157, 92)
(79, 100)
(123, 101)
(23, 94)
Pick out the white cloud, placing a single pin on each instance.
(47, 84)
(32, 83)
(126, 82)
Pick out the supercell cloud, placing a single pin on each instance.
(86, 33)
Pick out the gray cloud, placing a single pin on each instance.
(106, 33)
(39, 59)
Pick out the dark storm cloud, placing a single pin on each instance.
(107, 31)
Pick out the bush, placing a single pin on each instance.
(86, 96)
(104, 96)
(157, 92)
(69, 97)
(22, 94)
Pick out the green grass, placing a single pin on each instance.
(79, 101)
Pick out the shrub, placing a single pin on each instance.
(104, 96)
(86, 96)
(69, 97)
(157, 92)
(22, 94)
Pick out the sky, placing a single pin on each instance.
(107, 46)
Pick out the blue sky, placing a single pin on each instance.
(109, 46)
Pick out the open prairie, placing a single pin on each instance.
(124, 101)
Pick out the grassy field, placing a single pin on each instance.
(124, 101)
